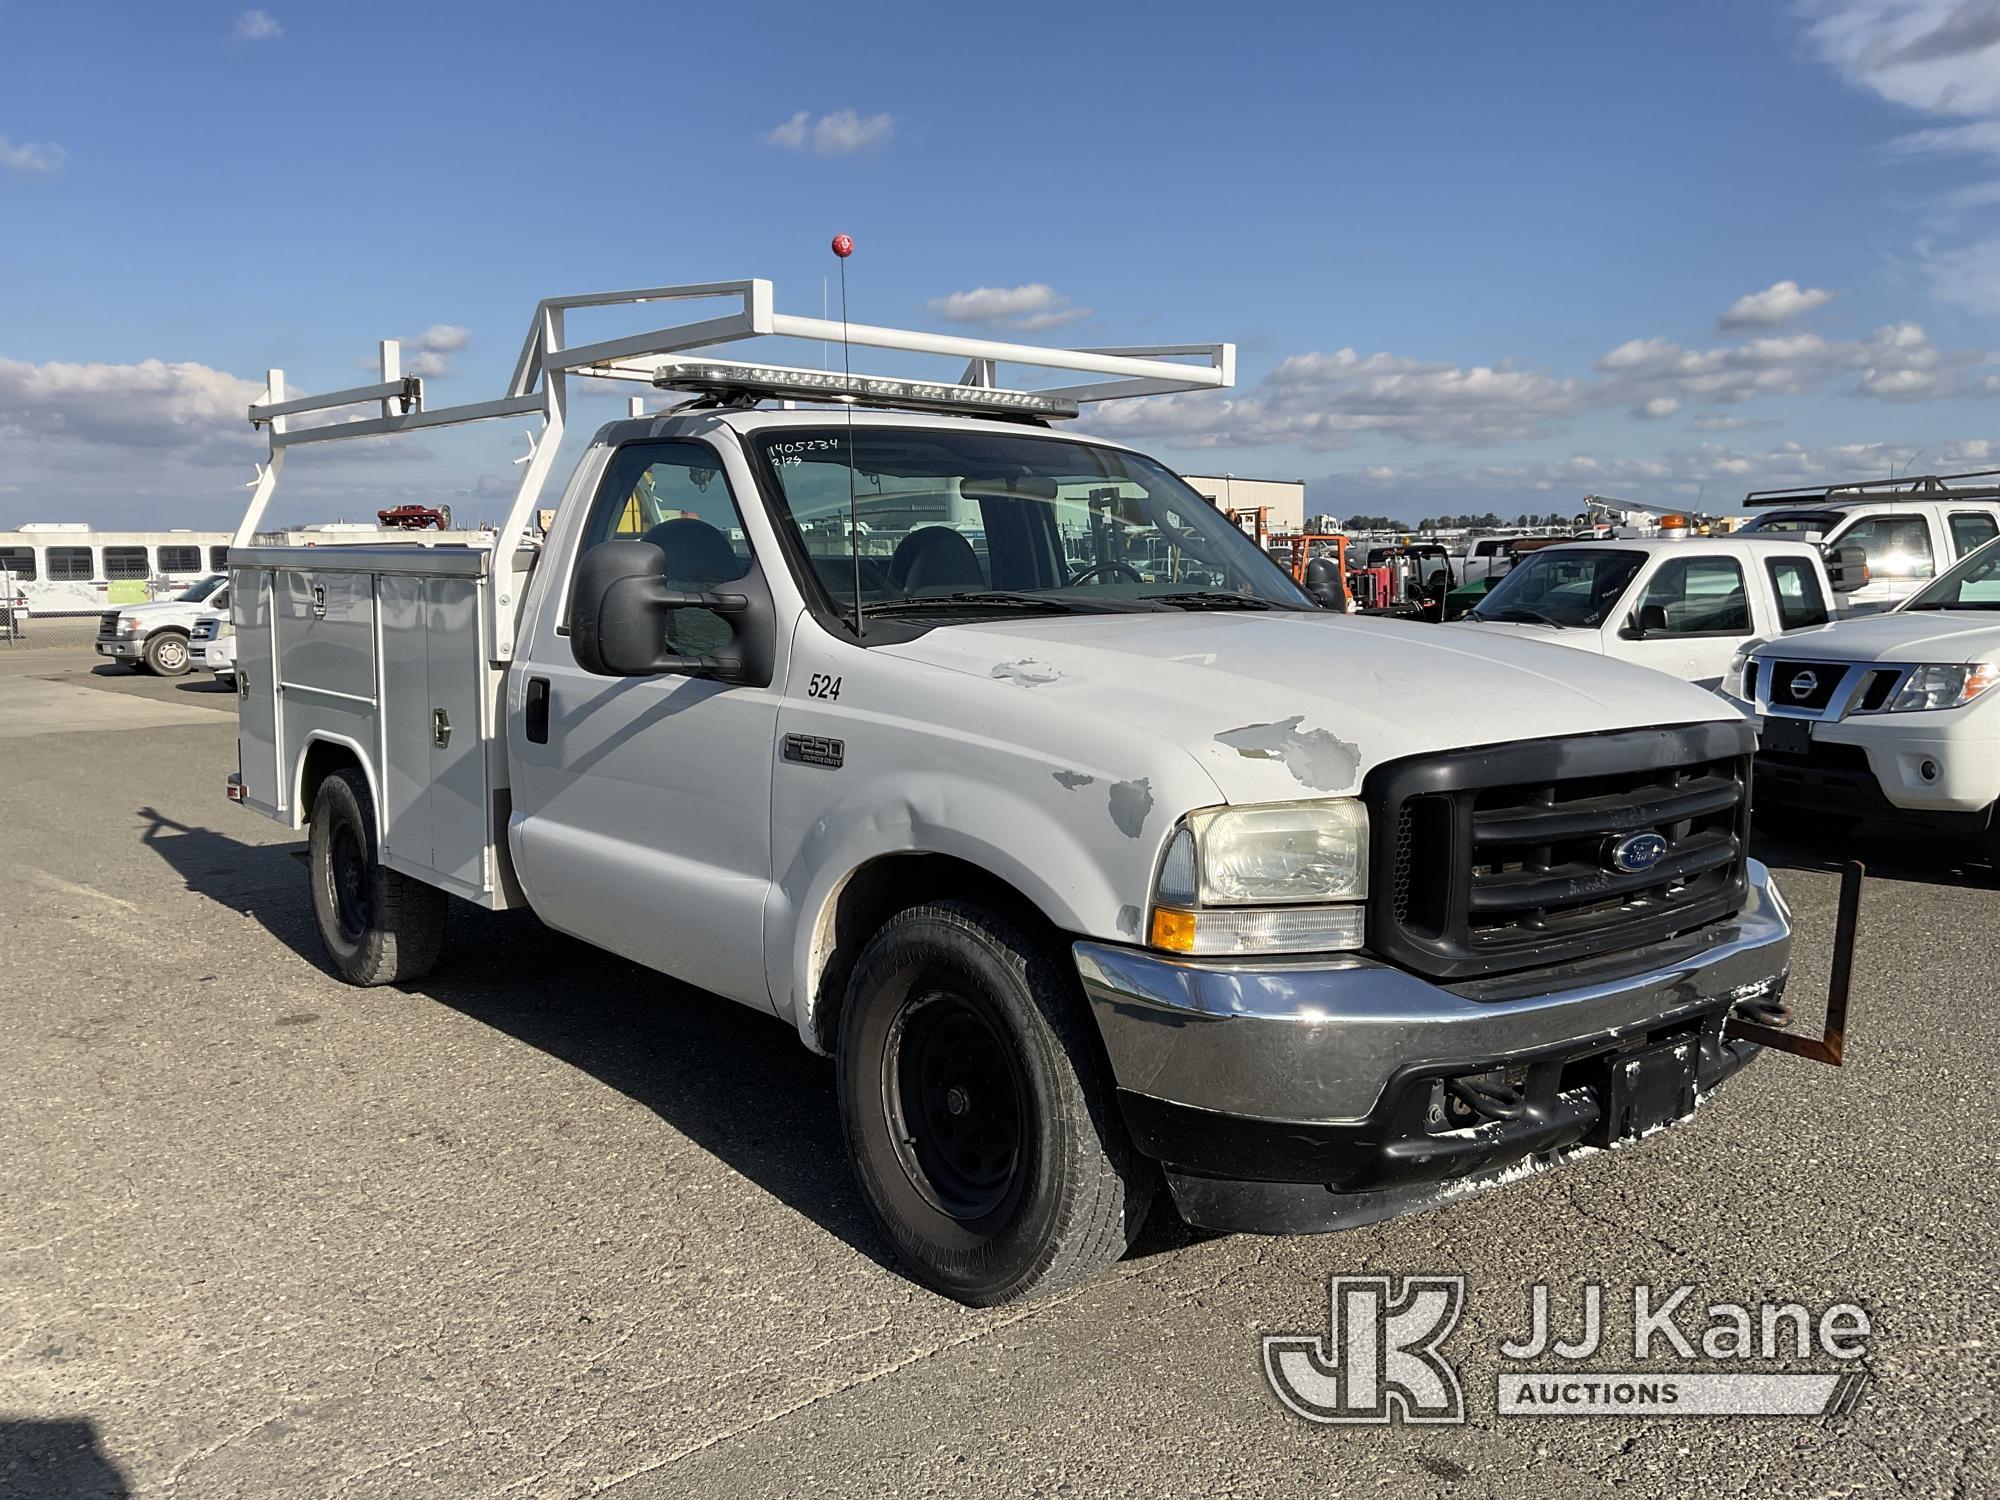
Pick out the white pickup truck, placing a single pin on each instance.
(1892, 716)
(154, 637)
(995, 761)
(1685, 606)
(1909, 530)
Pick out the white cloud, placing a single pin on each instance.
(1716, 422)
(428, 353)
(842, 133)
(1330, 401)
(1716, 476)
(1324, 402)
(258, 26)
(1966, 275)
(1024, 309)
(1938, 56)
(1778, 303)
(185, 408)
(31, 156)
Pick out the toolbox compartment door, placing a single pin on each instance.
(256, 690)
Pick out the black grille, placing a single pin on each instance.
(1815, 691)
(107, 625)
(1501, 857)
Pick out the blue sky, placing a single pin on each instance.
(1475, 256)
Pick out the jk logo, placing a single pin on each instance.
(1380, 1360)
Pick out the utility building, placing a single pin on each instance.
(1284, 499)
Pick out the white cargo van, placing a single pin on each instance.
(1000, 765)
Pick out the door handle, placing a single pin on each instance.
(538, 710)
(440, 727)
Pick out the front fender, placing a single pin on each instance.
(1063, 853)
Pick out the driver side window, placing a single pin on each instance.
(676, 496)
(1697, 596)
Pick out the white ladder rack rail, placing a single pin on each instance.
(539, 386)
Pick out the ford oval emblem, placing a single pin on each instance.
(1636, 853)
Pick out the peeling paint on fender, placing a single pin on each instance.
(1026, 672)
(1317, 758)
(1071, 780)
(1131, 801)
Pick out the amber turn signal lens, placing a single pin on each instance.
(1172, 931)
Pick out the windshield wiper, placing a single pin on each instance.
(1214, 599)
(1516, 614)
(974, 599)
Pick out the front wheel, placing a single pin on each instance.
(166, 654)
(982, 1125)
(379, 925)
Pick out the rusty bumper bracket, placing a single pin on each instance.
(1831, 1047)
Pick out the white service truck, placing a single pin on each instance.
(1891, 716)
(1014, 778)
(1685, 606)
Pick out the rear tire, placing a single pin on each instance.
(379, 926)
(978, 1112)
(166, 654)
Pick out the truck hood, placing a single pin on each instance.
(1555, 635)
(1290, 705)
(1906, 638)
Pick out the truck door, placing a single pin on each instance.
(1688, 618)
(642, 805)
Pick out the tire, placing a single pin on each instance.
(167, 654)
(379, 926)
(978, 1112)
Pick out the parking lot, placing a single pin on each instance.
(549, 1224)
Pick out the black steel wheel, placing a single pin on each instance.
(956, 1104)
(981, 1118)
(379, 925)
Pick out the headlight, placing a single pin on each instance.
(1224, 865)
(128, 626)
(1944, 686)
(1738, 681)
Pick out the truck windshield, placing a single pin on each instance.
(1564, 586)
(200, 591)
(1973, 584)
(983, 520)
(1798, 522)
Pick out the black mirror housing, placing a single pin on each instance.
(1649, 618)
(1847, 568)
(619, 606)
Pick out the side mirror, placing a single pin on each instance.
(1847, 568)
(1324, 583)
(620, 603)
(1649, 619)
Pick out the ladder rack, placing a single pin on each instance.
(539, 386)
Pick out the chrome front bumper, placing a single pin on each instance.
(1320, 1040)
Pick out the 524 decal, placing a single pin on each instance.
(823, 686)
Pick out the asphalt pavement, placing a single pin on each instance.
(546, 1224)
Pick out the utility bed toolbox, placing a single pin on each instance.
(381, 650)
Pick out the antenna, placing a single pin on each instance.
(843, 246)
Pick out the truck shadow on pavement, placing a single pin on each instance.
(734, 1081)
(62, 1457)
(1890, 854)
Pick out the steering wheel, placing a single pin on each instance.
(1106, 567)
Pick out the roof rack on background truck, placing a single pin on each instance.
(1003, 767)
